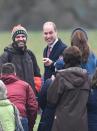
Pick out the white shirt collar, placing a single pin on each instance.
(52, 45)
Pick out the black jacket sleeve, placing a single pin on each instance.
(35, 65)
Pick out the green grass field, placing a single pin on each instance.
(37, 44)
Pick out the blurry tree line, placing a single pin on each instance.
(33, 13)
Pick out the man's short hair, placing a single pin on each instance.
(8, 68)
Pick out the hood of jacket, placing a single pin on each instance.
(8, 79)
(74, 77)
(5, 102)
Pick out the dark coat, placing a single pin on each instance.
(42, 96)
(54, 55)
(48, 111)
(92, 110)
(69, 93)
(26, 65)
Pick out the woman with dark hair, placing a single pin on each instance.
(79, 38)
(92, 105)
(69, 94)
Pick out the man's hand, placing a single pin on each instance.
(53, 77)
(47, 61)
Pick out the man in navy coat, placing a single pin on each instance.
(53, 50)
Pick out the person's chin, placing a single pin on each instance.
(50, 43)
(21, 44)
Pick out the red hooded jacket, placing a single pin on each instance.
(21, 94)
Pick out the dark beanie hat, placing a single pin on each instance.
(18, 30)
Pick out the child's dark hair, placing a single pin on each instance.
(72, 56)
(8, 68)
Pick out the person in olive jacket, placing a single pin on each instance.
(69, 94)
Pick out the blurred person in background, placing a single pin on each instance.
(24, 59)
(53, 50)
(79, 38)
(21, 95)
(9, 115)
(69, 94)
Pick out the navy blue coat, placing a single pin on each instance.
(92, 110)
(54, 55)
(48, 110)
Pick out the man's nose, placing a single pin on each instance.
(48, 35)
(21, 38)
